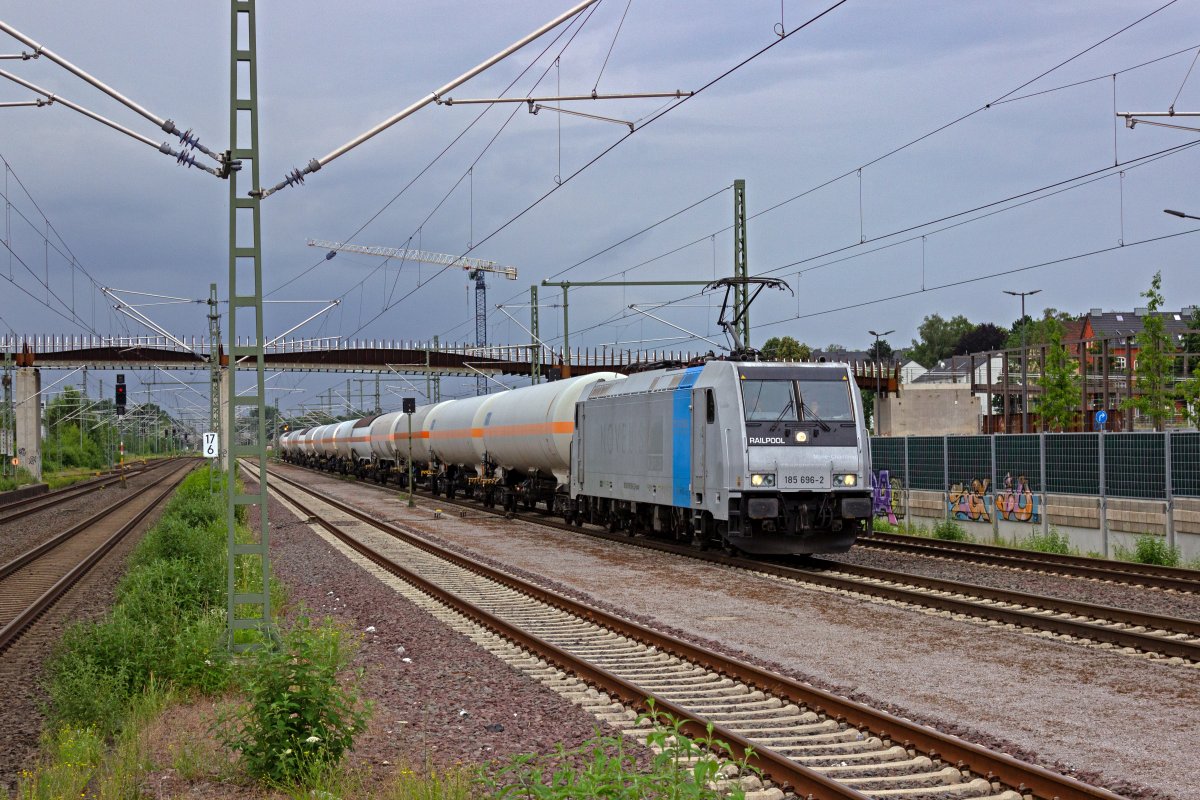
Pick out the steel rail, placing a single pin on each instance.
(1185, 580)
(774, 765)
(1024, 777)
(19, 624)
(1093, 631)
(40, 550)
(31, 505)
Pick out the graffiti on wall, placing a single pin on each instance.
(974, 503)
(886, 493)
(970, 502)
(1017, 503)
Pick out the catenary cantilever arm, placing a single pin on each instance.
(296, 176)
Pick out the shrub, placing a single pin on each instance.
(950, 531)
(1052, 542)
(1151, 549)
(299, 719)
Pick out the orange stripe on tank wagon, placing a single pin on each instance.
(532, 429)
(404, 435)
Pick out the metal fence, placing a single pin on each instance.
(1011, 474)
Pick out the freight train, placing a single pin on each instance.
(756, 457)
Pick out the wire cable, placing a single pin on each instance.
(444, 150)
(1185, 80)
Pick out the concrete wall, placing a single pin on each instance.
(931, 409)
(1076, 516)
(28, 407)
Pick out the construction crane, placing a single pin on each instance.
(475, 267)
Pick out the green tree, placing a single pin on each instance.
(1060, 385)
(883, 352)
(984, 337)
(785, 348)
(1154, 396)
(939, 337)
(1189, 394)
(1038, 331)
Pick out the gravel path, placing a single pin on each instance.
(1126, 723)
(23, 533)
(438, 696)
(1154, 601)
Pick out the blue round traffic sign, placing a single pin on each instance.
(1101, 417)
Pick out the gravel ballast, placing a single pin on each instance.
(1138, 598)
(438, 697)
(1124, 722)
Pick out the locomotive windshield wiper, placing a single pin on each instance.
(804, 412)
(778, 419)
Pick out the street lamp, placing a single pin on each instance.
(1024, 363)
(875, 400)
(1179, 214)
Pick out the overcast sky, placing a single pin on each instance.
(866, 79)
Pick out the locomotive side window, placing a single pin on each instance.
(769, 400)
(825, 400)
(711, 405)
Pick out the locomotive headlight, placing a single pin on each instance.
(801, 436)
(848, 479)
(762, 480)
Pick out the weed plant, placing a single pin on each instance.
(22, 477)
(950, 531)
(601, 767)
(167, 623)
(1053, 541)
(881, 525)
(299, 719)
(1149, 549)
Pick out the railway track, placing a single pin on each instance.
(1175, 639)
(31, 505)
(34, 581)
(1167, 578)
(806, 740)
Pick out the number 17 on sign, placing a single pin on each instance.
(210, 445)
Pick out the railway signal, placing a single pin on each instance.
(119, 397)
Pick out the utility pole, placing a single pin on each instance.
(249, 608)
(1024, 362)
(7, 435)
(214, 380)
(741, 265)
(535, 352)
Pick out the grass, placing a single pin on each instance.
(23, 477)
(1149, 549)
(1053, 541)
(950, 531)
(681, 767)
(167, 624)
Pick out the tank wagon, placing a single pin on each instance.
(763, 458)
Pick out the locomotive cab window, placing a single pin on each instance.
(828, 401)
(710, 406)
(769, 400)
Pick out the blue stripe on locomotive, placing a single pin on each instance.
(681, 439)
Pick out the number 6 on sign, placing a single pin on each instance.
(210, 445)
